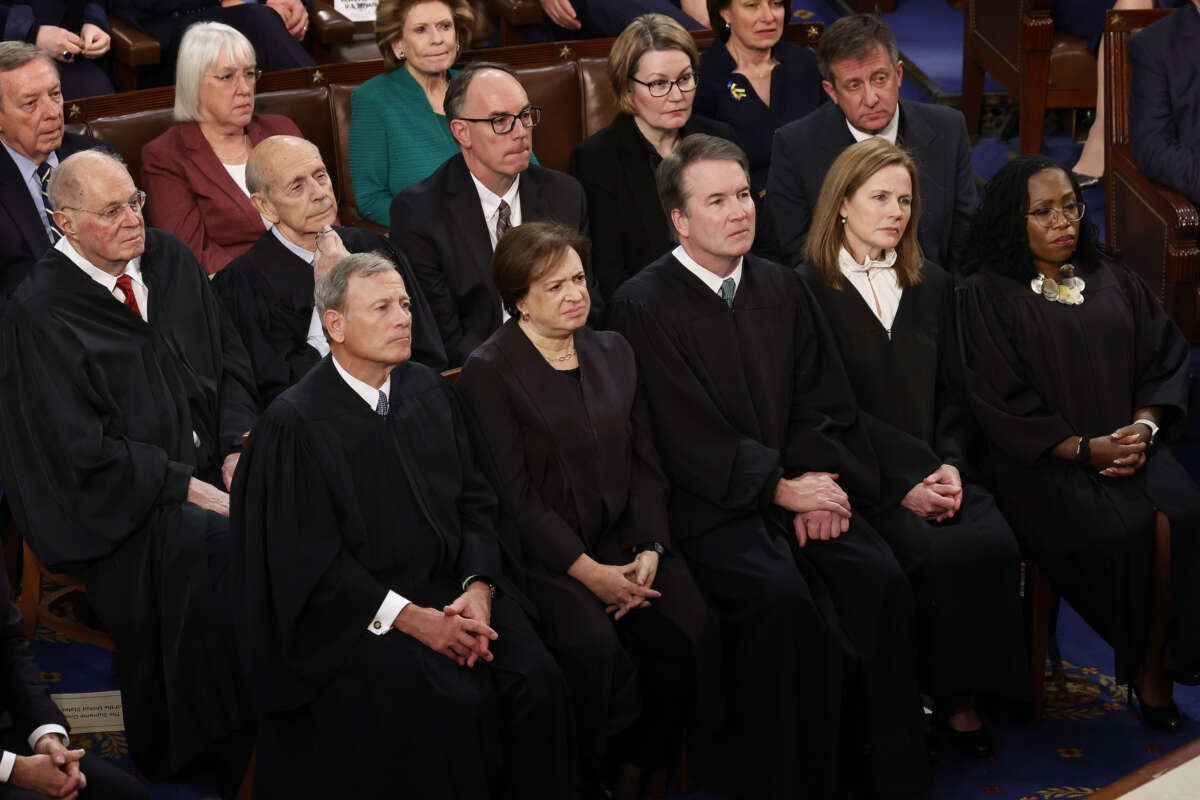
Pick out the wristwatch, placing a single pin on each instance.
(655, 546)
(491, 586)
(1152, 425)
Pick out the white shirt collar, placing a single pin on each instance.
(306, 256)
(848, 264)
(889, 132)
(711, 279)
(133, 269)
(490, 200)
(369, 393)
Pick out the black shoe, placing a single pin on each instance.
(1166, 719)
(1086, 181)
(1185, 677)
(976, 743)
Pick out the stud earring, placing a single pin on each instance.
(843, 219)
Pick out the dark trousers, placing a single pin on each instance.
(105, 781)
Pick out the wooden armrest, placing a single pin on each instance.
(131, 46)
(516, 12)
(1176, 211)
(329, 26)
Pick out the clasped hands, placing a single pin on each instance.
(461, 631)
(621, 587)
(62, 45)
(822, 508)
(1122, 452)
(938, 496)
(52, 772)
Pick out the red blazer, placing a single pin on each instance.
(192, 196)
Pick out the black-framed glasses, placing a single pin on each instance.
(229, 76)
(530, 116)
(1049, 216)
(662, 88)
(110, 214)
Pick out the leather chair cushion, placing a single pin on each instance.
(1072, 65)
(339, 102)
(309, 109)
(556, 90)
(129, 132)
(600, 102)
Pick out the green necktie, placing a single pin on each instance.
(728, 287)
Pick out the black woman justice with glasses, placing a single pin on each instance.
(1077, 378)
(196, 170)
(449, 223)
(653, 69)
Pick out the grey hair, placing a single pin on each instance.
(66, 187)
(330, 292)
(854, 37)
(200, 48)
(14, 55)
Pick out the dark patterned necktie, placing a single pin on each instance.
(728, 287)
(125, 284)
(382, 408)
(43, 173)
(503, 220)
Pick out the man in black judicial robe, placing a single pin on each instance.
(268, 290)
(124, 395)
(374, 584)
(758, 432)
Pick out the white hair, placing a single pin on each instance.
(202, 46)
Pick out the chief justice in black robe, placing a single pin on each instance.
(748, 399)
(1070, 383)
(268, 290)
(891, 315)
(117, 417)
(366, 541)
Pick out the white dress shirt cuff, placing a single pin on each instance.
(42, 730)
(389, 609)
(7, 761)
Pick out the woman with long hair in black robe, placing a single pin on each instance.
(1077, 376)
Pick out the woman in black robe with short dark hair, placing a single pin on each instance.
(558, 406)
(891, 314)
(1077, 375)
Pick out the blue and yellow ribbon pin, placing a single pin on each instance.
(735, 91)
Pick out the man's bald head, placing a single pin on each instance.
(290, 186)
(68, 183)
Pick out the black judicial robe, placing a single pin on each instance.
(334, 505)
(577, 460)
(97, 412)
(1039, 372)
(740, 398)
(965, 572)
(268, 291)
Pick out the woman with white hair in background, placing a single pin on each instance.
(195, 172)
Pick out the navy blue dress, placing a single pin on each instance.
(728, 96)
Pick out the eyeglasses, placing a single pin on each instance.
(110, 214)
(662, 88)
(530, 116)
(1048, 216)
(229, 77)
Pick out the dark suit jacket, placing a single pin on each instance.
(629, 228)
(23, 238)
(1164, 101)
(25, 702)
(192, 196)
(268, 291)
(935, 135)
(439, 225)
(575, 455)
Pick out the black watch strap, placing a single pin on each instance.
(655, 546)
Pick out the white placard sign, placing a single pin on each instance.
(356, 10)
(91, 712)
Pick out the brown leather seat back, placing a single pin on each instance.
(129, 132)
(339, 102)
(309, 109)
(556, 90)
(599, 100)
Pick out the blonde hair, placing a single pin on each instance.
(827, 234)
(389, 25)
(647, 32)
(200, 48)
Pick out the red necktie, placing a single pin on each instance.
(125, 284)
